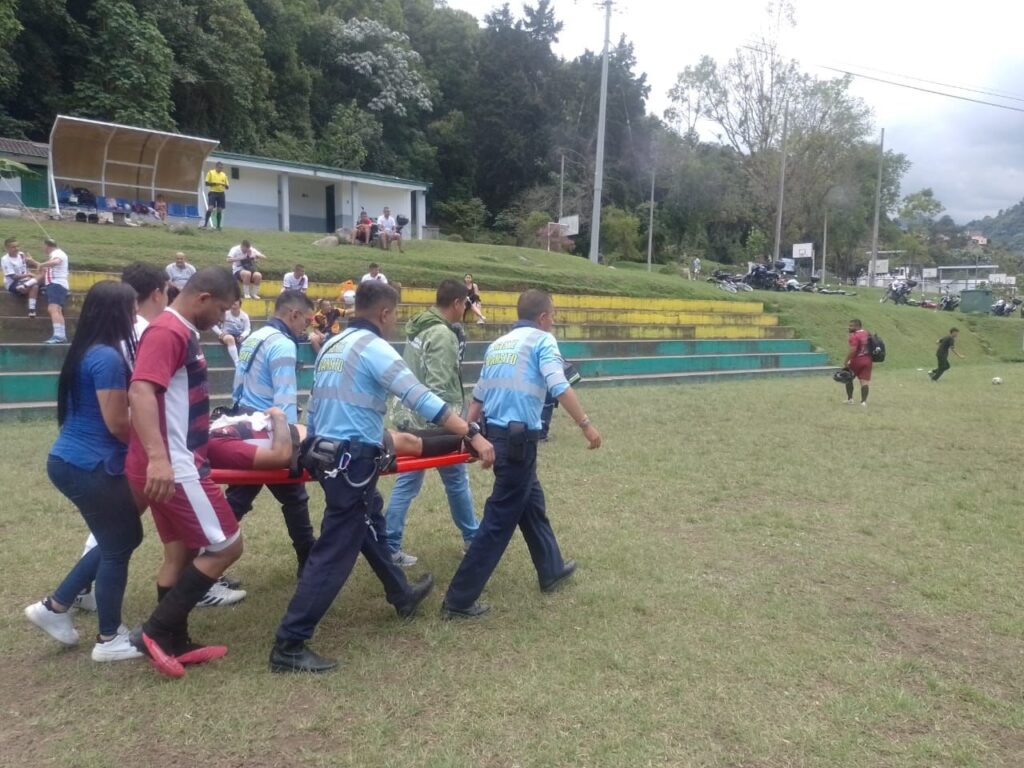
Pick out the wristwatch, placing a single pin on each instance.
(473, 431)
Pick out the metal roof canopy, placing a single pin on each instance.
(125, 161)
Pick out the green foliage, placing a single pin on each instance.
(529, 231)
(467, 217)
(349, 138)
(620, 234)
(127, 74)
(1005, 228)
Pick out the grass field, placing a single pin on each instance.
(767, 579)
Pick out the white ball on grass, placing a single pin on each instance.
(997, 380)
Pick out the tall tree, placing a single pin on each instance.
(127, 75)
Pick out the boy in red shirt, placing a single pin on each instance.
(858, 361)
(167, 465)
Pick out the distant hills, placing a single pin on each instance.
(1006, 228)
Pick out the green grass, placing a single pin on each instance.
(910, 333)
(767, 578)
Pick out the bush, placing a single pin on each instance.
(620, 232)
(454, 238)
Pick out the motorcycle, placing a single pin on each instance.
(728, 282)
(949, 302)
(765, 279)
(1004, 308)
(899, 291)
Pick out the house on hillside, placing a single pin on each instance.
(977, 238)
(111, 167)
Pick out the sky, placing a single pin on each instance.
(971, 155)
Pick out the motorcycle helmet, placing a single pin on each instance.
(843, 375)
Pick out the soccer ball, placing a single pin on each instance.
(997, 380)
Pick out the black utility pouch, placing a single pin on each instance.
(516, 442)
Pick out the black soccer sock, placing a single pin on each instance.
(864, 393)
(170, 617)
(209, 212)
(849, 390)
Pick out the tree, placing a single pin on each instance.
(349, 138)
(620, 233)
(127, 75)
(384, 59)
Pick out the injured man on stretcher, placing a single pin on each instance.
(265, 440)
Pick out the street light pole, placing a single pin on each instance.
(878, 206)
(824, 249)
(782, 185)
(595, 218)
(650, 225)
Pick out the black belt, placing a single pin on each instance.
(360, 450)
(493, 430)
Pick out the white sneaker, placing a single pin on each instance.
(404, 559)
(117, 648)
(218, 594)
(849, 402)
(256, 296)
(86, 601)
(864, 405)
(56, 625)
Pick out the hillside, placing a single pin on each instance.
(909, 332)
(1005, 228)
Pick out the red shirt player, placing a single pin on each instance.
(858, 361)
(167, 465)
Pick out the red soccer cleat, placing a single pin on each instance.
(201, 654)
(162, 662)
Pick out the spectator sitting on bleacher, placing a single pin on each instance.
(179, 272)
(374, 275)
(243, 259)
(233, 330)
(17, 278)
(296, 280)
(363, 231)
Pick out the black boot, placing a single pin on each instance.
(417, 594)
(294, 656)
(550, 585)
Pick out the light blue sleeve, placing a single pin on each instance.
(281, 363)
(392, 372)
(552, 365)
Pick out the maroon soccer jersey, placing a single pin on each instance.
(169, 356)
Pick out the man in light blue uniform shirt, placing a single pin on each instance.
(265, 377)
(355, 371)
(520, 369)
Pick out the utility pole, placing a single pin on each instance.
(782, 184)
(595, 219)
(824, 249)
(650, 225)
(561, 189)
(878, 206)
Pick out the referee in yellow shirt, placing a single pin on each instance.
(216, 184)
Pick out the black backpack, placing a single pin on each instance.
(876, 347)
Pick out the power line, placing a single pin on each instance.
(915, 87)
(922, 90)
(969, 89)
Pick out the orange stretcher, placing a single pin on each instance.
(280, 476)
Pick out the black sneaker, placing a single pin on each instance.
(417, 594)
(550, 585)
(294, 656)
(476, 610)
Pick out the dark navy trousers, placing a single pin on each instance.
(294, 501)
(352, 523)
(517, 500)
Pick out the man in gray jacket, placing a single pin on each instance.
(432, 354)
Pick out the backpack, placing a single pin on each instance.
(876, 347)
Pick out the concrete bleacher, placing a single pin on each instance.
(614, 341)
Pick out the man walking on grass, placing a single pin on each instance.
(946, 344)
(858, 361)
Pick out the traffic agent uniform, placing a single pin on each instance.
(264, 378)
(354, 373)
(520, 369)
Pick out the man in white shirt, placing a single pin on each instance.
(17, 278)
(374, 275)
(55, 278)
(243, 259)
(387, 231)
(233, 330)
(296, 280)
(180, 271)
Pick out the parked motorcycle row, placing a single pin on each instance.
(899, 292)
(765, 279)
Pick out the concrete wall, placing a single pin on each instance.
(307, 204)
(251, 199)
(373, 199)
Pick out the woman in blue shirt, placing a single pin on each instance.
(86, 464)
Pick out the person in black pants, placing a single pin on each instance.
(947, 344)
(520, 369)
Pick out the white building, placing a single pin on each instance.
(302, 197)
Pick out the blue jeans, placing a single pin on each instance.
(108, 507)
(460, 502)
